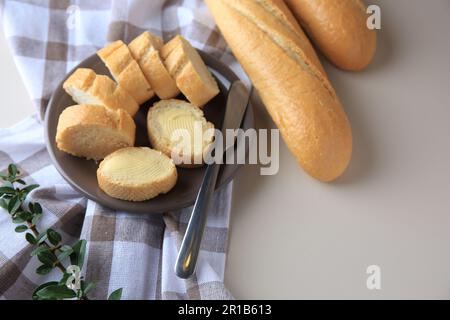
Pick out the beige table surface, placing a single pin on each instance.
(293, 237)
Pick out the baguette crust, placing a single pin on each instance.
(174, 55)
(126, 71)
(189, 71)
(86, 87)
(300, 100)
(145, 50)
(129, 190)
(339, 30)
(163, 143)
(93, 132)
(282, 13)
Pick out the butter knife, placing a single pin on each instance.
(237, 102)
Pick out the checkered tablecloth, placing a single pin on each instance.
(135, 252)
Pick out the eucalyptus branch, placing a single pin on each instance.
(50, 250)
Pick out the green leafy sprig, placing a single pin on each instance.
(50, 250)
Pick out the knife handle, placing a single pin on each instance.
(190, 247)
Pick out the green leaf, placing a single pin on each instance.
(30, 188)
(24, 215)
(43, 270)
(30, 238)
(86, 287)
(7, 190)
(65, 254)
(22, 196)
(36, 218)
(14, 204)
(116, 295)
(56, 292)
(79, 250)
(20, 181)
(66, 248)
(37, 250)
(64, 278)
(37, 208)
(42, 286)
(12, 170)
(46, 257)
(21, 228)
(41, 238)
(18, 219)
(53, 236)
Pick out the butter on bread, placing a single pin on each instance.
(145, 50)
(126, 71)
(86, 87)
(136, 174)
(187, 148)
(186, 66)
(93, 132)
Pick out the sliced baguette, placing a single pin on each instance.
(192, 76)
(93, 132)
(145, 50)
(86, 87)
(188, 149)
(126, 71)
(136, 174)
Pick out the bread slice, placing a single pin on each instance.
(126, 71)
(93, 132)
(145, 50)
(136, 174)
(192, 76)
(86, 87)
(185, 148)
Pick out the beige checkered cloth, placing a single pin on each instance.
(130, 251)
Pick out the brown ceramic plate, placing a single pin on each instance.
(81, 173)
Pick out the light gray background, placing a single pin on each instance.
(293, 237)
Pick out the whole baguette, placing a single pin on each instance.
(297, 94)
(339, 29)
